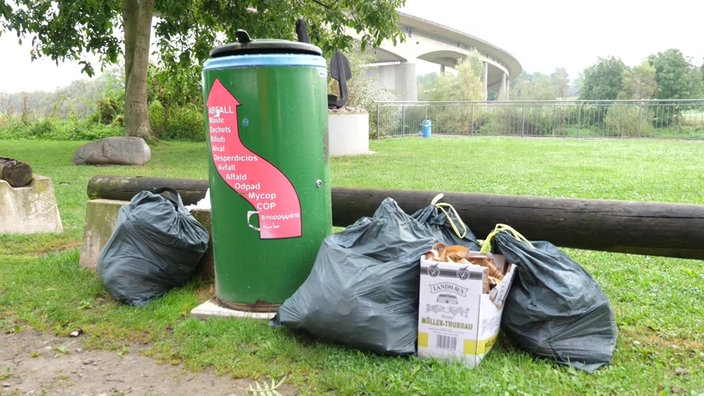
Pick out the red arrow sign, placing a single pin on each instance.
(265, 187)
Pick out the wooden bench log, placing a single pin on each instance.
(15, 173)
(659, 229)
(124, 188)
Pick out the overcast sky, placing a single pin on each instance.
(546, 34)
(542, 34)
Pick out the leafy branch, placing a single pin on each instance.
(266, 389)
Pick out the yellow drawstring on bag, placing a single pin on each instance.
(486, 247)
(442, 206)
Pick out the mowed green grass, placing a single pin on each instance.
(658, 301)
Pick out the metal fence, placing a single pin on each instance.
(564, 118)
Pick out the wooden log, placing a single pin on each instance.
(124, 188)
(659, 229)
(15, 173)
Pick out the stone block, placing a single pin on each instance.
(114, 150)
(30, 209)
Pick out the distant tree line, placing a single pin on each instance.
(665, 75)
(77, 99)
(175, 99)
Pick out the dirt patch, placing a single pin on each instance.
(32, 363)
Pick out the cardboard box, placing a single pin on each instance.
(456, 320)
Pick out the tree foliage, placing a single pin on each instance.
(362, 90)
(66, 30)
(561, 81)
(426, 84)
(463, 84)
(538, 86)
(603, 80)
(676, 77)
(665, 75)
(185, 31)
(639, 82)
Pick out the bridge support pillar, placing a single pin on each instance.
(400, 78)
(485, 80)
(503, 88)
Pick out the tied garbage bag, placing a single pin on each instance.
(363, 288)
(555, 308)
(155, 246)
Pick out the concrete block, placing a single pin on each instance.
(101, 217)
(29, 210)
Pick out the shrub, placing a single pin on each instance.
(628, 120)
(44, 128)
(502, 121)
(386, 117)
(108, 109)
(52, 128)
(185, 123)
(157, 118)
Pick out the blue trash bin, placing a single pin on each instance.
(427, 128)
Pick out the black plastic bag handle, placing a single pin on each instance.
(175, 197)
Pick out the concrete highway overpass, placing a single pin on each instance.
(395, 67)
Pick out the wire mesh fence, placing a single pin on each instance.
(619, 118)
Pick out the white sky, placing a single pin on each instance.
(542, 34)
(546, 34)
(18, 73)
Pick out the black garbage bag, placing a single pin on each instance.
(555, 309)
(155, 246)
(363, 288)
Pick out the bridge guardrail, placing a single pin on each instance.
(683, 118)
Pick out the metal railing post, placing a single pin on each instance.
(378, 121)
(579, 118)
(472, 121)
(640, 118)
(403, 120)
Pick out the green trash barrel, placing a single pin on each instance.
(269, 172)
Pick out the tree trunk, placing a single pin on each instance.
(137, 22)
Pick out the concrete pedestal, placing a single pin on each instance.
(348, 133)
(101, 217)
(29, 210)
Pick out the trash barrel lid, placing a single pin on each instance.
(247, 46)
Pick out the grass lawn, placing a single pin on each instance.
(659, 302)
